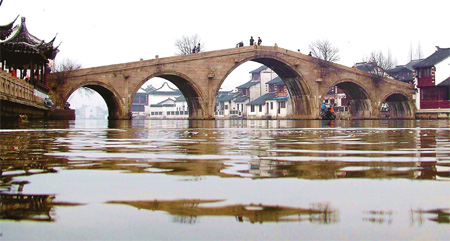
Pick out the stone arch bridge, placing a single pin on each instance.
(199, 77)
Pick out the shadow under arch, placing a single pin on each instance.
(359, 100)
(187, 88)
(399, 106)
(299, 91)
(115, 112)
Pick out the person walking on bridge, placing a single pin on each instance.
(251, 40)
(259, 41)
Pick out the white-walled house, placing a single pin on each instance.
(164, 102)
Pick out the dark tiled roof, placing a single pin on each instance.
(162, 105)
(411, 64)
(162, 102)
(276, 80)
(258, 70)
(225, 98)
(397, 69)
(248, 84)
(434, 59)
(445, 82)
(367, 67)
(180, 99)
(241, 99)
(262, 99)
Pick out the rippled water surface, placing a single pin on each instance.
(225, 180)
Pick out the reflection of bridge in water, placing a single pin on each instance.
(189, 210)
(200, 76)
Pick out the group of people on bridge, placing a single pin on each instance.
(196, 49)
(252, 42)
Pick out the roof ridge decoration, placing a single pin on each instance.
(168, 86)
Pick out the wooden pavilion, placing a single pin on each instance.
(26, 54)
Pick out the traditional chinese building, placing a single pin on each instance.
(433, 80)
(24, 61)
(24, 55)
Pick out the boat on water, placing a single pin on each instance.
(328, 115)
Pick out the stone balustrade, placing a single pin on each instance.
(14, 87)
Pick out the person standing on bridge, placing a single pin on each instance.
(198, 48)
(251, 40)
(259, 41)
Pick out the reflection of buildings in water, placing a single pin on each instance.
(29, 207)
(380, 217)
(26, 207)
(440, 215)
(266, 168)
(188, 211)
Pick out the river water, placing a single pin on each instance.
(226, 180)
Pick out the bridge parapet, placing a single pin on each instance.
(13, 87)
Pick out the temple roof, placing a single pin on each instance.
(20, 41)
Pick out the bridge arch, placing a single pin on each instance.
(399, 106)
(298, 89)
(190, 91)
(359, 99)
(113, 102)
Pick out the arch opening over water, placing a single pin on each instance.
(94, 102)
(396, 106)
(169, 96)
(296, 93)
(357, 98)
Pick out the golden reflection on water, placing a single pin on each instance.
(187, 211)
(195, 151)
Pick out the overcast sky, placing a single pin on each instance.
(101, 32)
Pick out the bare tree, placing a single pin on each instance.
(62, 70)
(419, 53)
(323, 49)
(378, 64)
(187, 43)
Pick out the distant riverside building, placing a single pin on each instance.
(404, 73)
(164, 102)
(264, 96)
(433, 80)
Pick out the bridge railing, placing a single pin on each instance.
(18, 88)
